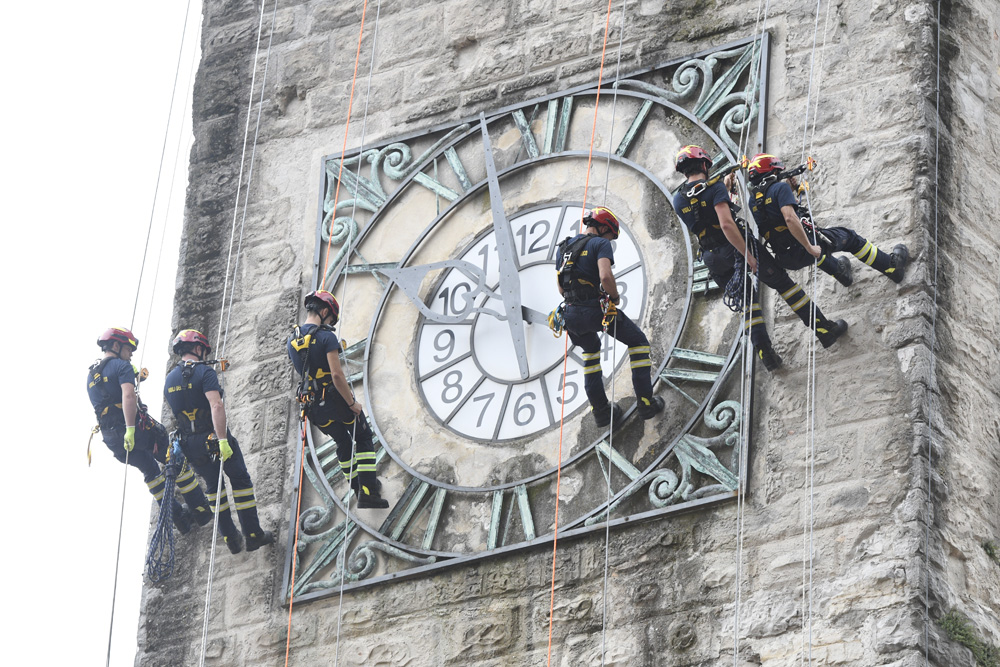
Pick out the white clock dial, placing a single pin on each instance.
(467, 371)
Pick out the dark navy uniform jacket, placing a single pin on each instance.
(710, 235)
(322, 341)
(766, 208)
(186, 396)
(594, 249)
(106, 391)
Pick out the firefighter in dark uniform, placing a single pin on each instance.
(585, 280)
(195, 396)
(329, 402)
(706, 209)
(131, 434)
(788, 230)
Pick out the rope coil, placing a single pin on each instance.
(160, 555)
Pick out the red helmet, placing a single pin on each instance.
(691, 153)
(189, 336)
(119, 334)
(762, 165)
(603, 217)
(322, 298)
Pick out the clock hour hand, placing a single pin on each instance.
(510, 285)
(409, 279)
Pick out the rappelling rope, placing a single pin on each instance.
(809, 487)
(223, 334)
(343, 149)
(349, 242)
(305, 423)
(750, 288)
(928, 507)
(295, 544)
(135, 306)
(562, 413)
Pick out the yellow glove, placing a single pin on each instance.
(225, 451)
(129, 438)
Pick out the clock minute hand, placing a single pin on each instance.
(409, 279)
(510, 285)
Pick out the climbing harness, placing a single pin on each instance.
(576, 288)
(160, 556)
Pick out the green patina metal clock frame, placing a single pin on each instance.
(723, 87)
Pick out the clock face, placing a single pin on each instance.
(445, 291)
(466, 370)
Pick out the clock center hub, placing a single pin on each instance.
(491, 340)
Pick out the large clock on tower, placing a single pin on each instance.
(442, 256)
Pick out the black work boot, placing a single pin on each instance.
(609, 413)
(234, 542)
(769, 357)
(258, 539)
(201, 514)
(829, 331)
(183, 520)
(843, 274)
(368, 499)
(650, 407)
(900, 258)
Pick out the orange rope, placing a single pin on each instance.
(347, 127)
(562, 412)
(295, 546)
(597, 103)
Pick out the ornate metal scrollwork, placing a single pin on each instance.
(717, 91)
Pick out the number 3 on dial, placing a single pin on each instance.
(468, 372)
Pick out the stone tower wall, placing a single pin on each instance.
(672, 589)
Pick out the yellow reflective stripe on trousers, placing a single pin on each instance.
(868, 249)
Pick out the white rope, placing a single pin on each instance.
(246, 199)
(118, 556)
(809, 488)
(614, 356)
(347, 256)
(170, 196)
(239, 179)
(211, 566)
(751, 286)
(928, 507)
(135, 305)
(607, 522)
(223, 334)
(163, 152)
